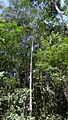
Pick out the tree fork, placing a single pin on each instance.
(58, 10)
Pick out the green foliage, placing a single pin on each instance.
(20, 23)
(12, 100)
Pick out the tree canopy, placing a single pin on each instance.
(34, 31)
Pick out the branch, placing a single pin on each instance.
(58, 10)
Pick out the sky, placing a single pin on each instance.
(62, 3)
(6, 2)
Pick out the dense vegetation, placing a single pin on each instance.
(34, 31)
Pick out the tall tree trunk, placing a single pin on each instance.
(31, 81)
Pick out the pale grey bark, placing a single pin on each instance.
(31, 82)
(61, 13)
(58, 10)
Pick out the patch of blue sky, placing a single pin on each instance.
(62, 3)
(5, 2)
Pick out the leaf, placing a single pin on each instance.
(18, 29)
(2, 25)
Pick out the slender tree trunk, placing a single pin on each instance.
(31, 82)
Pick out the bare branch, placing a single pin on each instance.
(58, 10)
